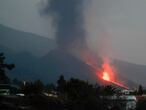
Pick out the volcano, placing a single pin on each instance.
(105, 71)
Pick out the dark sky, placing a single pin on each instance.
(115, 27)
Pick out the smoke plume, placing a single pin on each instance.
(68, 19)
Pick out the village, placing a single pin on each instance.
(26, 96)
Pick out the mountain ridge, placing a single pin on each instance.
(22, 41)
(54, 62)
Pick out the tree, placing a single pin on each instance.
(38, 86)
(50, 87)
(140, 90)
(141, 105)
(61, 84)
(81, 95)
(108, 90)
(27, 88)
(3, 67)
(78, 89)
(17, 82)
(32, 88)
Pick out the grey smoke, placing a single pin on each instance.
(68, 18)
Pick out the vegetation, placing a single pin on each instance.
(32, 88)
(140, 90)
(3, 67)
(72, 94)
(141, 105)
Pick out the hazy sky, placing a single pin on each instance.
(121, 24)
(115, 26)
(24, 15)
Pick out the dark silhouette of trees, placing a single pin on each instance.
(81, 95)
(38, 87)
(140, 90)
(32, 88)
(17, 82)
(61, 84)
(78, 94)
(3, 67)
(27, 88)
(108, 90)
(50, 87)
(74, 94)
(141, 105)
(78, 89)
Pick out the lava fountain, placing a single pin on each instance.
(106, 72)
(109, 74)
(106, 76)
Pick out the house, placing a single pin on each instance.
(7, 89)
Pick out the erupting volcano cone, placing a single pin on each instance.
(106, 76)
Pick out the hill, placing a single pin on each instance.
(22, 49)
(49, 67)
(20, 41)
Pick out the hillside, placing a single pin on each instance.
(20, 41)
(22, 48)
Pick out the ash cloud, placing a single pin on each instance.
(68, 18)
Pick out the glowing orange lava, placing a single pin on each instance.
(106, 76)
(107, 72)
(109, 75)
